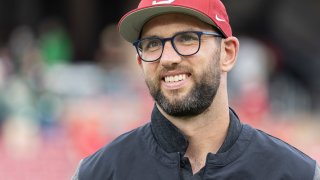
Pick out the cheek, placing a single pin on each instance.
(201, 64)
(149, 71)
(148, 66)
(207, 65)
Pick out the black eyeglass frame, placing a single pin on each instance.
(171, 39)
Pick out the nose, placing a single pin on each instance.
(169, 55)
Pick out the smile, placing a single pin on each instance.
(175, 81)
(175, 78)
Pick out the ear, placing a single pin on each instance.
(229, 52)
(139, 60)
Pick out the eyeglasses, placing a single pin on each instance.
(184, 43)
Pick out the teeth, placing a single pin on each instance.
(175, 78)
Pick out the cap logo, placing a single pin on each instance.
(219, 19)
(162, 2)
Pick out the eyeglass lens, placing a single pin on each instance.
(186, 43)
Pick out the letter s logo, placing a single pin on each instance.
(162, 2)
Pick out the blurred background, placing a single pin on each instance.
(69, 84)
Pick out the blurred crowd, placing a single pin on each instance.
(54, 111)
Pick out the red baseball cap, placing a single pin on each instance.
(212, 12)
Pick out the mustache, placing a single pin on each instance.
(178, 68)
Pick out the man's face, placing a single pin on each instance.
(182, 85)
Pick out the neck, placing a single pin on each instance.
(205, 132)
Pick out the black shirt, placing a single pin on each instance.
(172, 140)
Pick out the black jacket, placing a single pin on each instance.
(254, 155)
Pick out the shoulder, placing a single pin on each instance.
(123, 143)
(317, 173)
(105, 160)
(275, 152)
(277, 146)
(259, 143)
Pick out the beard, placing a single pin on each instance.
(197, 100)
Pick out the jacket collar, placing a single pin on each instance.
(171, 139)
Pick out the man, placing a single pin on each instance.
(185, 49)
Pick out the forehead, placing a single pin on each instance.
(169, 24)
